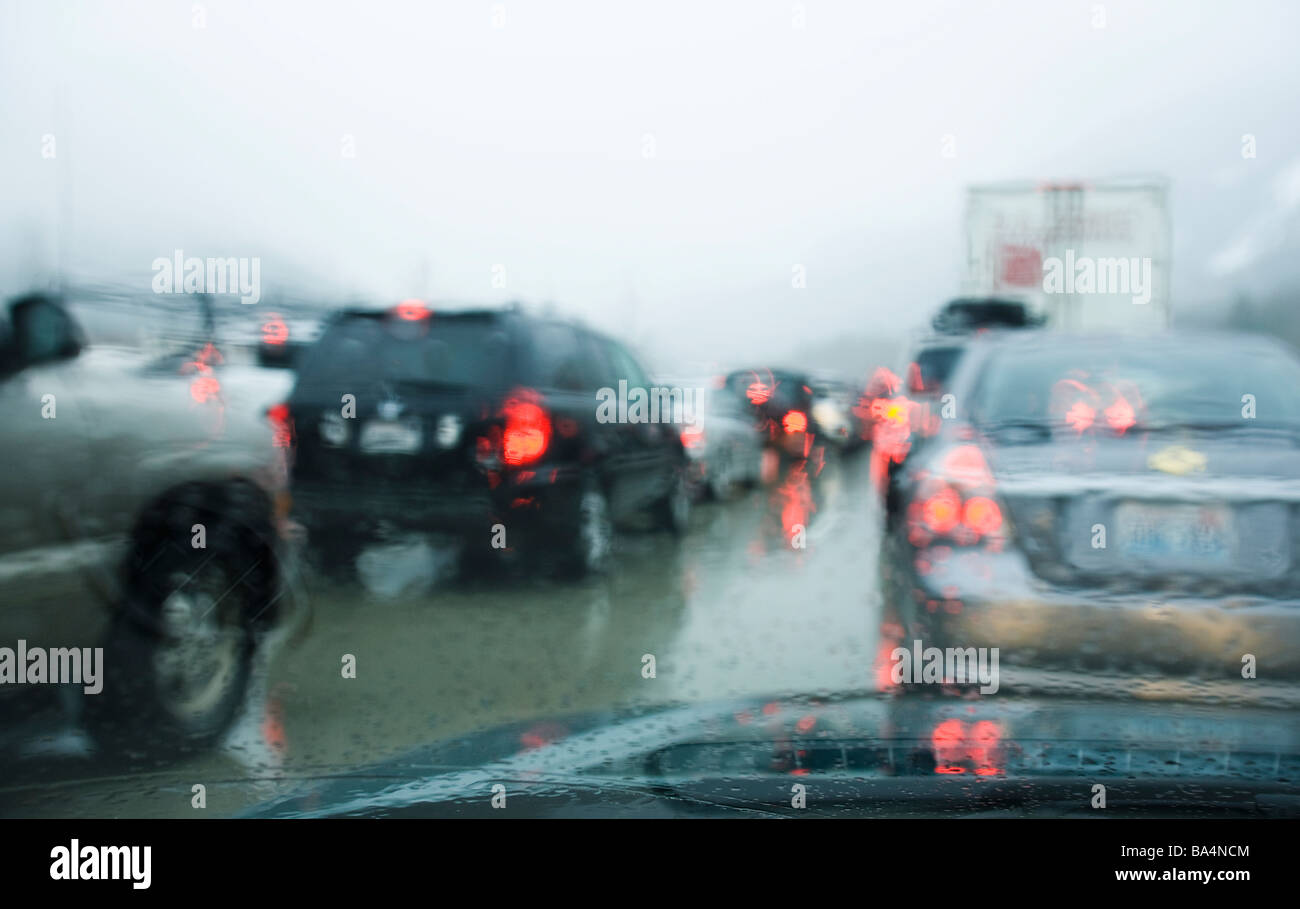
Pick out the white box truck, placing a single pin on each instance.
(1087, 256)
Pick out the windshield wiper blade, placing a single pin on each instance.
(1036, 426)
(1290, 429)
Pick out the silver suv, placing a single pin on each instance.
(141, 511)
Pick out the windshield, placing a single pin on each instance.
(783, 391)
(932, 368)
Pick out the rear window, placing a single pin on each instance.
(774, 390)
(453, 351)
(562, 359)
(933, 368)
(1138, 385)
(792, 392)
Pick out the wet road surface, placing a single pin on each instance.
(730, 609)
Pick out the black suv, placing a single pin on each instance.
(485, 424)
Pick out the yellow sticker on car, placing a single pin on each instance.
(1177, 460)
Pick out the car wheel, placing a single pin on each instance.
(591, 534)
(336, 555)
(673, 511)
(178, 655)
(723, 481)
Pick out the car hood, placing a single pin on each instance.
(869, 749)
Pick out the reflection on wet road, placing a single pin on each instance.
(732, 609)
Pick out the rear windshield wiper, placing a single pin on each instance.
(1037, 427)
(429, 384)
(1291, 429)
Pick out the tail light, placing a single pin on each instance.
(411, 311)
(915, 381)
(795, 421)
(205, 387)
(281, 424)
(275, 331)
(1120, 416)
(527, 432)
(693, 436)
(941, 511)
(957, 502)
(982, 515)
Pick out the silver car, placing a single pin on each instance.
(142, 512)
(722, 439)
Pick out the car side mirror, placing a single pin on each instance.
(43, 332)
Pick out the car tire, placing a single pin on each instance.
(673, 511)
(179, 653)
(589, 535)
(335, 555)
(723, 483)
(478, 558)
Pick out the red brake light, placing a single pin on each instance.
(528, 428)
(942, 511)
(1120, 415)
(795, 421)
(412, 311)
(274, 330)
(205, 388)
(958, 502)
(982, 515)
(282, 423)
(915, 382)
(1080, 416)
(692, 436)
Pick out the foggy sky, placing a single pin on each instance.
(527, 146)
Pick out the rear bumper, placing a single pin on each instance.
(978, 599)
(319, 507)
(331, 507)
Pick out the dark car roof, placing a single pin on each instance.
(509, 312)
(775, 372)
(966, 314)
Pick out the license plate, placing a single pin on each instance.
(1182, 535)
(391, 437)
